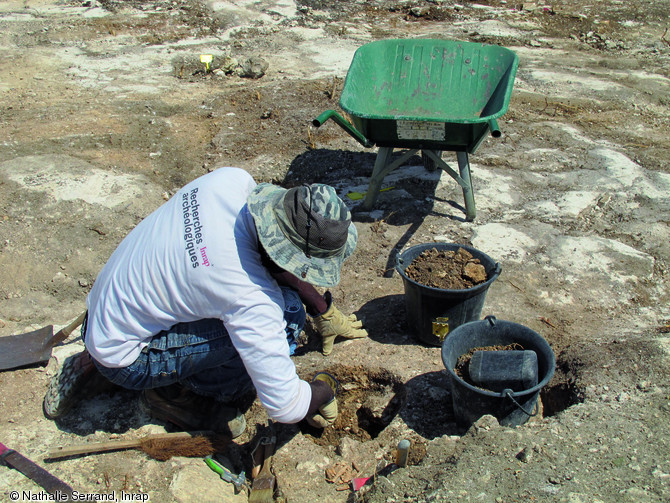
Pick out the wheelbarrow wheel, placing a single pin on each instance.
(429, 163)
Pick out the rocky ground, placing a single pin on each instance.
(106, 109)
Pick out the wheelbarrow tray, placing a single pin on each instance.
(427, 93)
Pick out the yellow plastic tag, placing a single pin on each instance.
(441, 328)
(207, 59)
(355, 196)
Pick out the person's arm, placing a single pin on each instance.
(314, 302)
(329, 322)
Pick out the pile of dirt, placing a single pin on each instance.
(447, 269)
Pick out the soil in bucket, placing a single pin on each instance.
(445, 286)
(447, 269)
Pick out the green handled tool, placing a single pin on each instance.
(238, 480)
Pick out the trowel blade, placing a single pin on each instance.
(25, 349)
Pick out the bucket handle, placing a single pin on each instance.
(492, 320)
(509, 394)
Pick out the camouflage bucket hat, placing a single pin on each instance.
(306, 230)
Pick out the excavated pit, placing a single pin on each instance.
(368, 400)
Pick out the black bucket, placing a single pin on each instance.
(511, 408)
(433, 312)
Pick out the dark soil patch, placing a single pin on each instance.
(447, 269)
(368, 400)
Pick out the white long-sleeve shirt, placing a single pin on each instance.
(193, 258)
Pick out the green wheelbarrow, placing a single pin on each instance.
(428, 95)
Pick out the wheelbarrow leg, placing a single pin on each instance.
(381, 169)
(378, 174)
(468, 191)
(428, 162)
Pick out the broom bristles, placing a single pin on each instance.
(162, 449)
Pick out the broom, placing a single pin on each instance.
(161, 446)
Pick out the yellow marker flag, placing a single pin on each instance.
(207, 59)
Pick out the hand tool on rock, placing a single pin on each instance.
(36, 473)
(239, 481)
(33, 347)
(263, 487)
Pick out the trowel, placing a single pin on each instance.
(33, 347)
(54, 486)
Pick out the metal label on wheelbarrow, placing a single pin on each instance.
(420, 130)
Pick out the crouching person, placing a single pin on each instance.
(202, 302)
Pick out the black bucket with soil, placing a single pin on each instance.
(433, 312)
(510, 407)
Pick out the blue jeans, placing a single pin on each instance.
(200, 356)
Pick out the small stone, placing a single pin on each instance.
(660, 474)
(419, 11)
(643, 386)
(254, 68)
(475, 272)
(229, 64)
(309, 467)
(524, 455)
(348, 448)
(637, 493)
(484, 423)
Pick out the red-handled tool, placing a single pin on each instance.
(36, 473)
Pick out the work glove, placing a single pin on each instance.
(327, 413)
(333, 323)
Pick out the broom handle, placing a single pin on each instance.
(116, 445)
(63, 452)
(65, 332)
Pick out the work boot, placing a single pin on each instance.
(191, 412)
(67, 386)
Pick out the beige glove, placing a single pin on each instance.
(333, 323)
(328, 411)
(326, 416)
